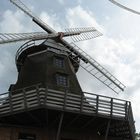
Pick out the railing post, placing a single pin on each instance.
(126, 109)
(82, 100)
(65, 99)
(24, 97)
(107, 129)
(38, 96)
(111, 108)
(97, 104)
(10, 102)
(131, 120)
(59, 126)
(46, 94)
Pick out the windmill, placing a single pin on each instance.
(77, 34)
(47, 85)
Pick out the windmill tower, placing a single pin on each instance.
(47, 102)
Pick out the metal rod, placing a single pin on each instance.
(59, 127)
(107, 130)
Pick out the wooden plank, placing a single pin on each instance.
(72, 109)
(73, 95)
(118, 115)
(6, 108)
(30, 95)
(32, 102)
(73, 102)
(105, 103)
(89, 108)
(55, 91)
(55, 95)
(73, 98)
(30, 91)
(17, 102)
(54, 102)
(102, 110)
(114, 112)
(117, 105)
(17, 95)
(88, 103)
(90, 98)
(121, 104)
(18, 108)
(104, 107)
(31, 99)
(5, 111)
(119, 109)
(18, 105)
(4, 105)
(32, 105)
(16, 99)
(89, 111)
(55, 106)
(73, 105)
(42, 94)
(55, 98)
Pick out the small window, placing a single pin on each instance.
(61, 79)
(59, 62)
(25, 136)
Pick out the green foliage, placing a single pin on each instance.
(137, 136)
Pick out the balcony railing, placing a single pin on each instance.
(84, 103)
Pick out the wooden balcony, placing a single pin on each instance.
(88, 104)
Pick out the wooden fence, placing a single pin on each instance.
(86, 103)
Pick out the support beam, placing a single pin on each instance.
(88, 123)
(59, 127)
(54, 121)
(107, 130)
(34, 118)
(72, 121)
(16, 118)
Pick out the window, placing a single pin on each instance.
(59, 62)
(61, 79)
(24, 136)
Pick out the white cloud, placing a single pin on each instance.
(61, 1)
(11, 22)
(51, 20)
(78, 17)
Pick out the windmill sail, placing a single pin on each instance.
(36, 19)
(99, 72)
(14, 37)
(84, 33)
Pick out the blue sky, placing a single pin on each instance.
(118, 49)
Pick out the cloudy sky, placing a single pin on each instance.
(118, 49)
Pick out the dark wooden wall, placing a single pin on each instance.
(12, 133)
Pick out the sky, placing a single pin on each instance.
(118, 50)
